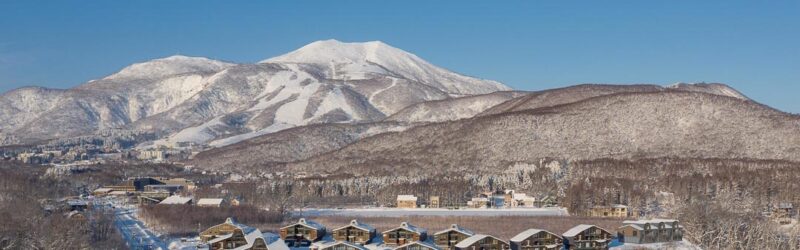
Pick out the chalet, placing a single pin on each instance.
(210, 202)
(302, 233)
(406, 201)
(614, 211)
(434, 202)
(355, 232)
(482, 242)
(403, 234)
(448, 238)
(650, 231)
(337, 245)
(586, 237)
(177, 200)
(536, 239)
(417, 245)
(232, 235)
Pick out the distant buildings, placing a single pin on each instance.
(614, 211)
(406, 201)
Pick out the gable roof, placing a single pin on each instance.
(572, 232)
(406, 198)
(408, 227)
(528, 233)
(424, 244)
(475, 238)
(329, 244)
(307, 223)
(357, 224)
(209, 201)
(634, 226)
(457, 228)
(251, 234)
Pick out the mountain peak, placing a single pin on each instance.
(332, 50)
(711, 88)
(172, 65)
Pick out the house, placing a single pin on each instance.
(614, 211)
(210, 202)
(536, 239)
(448, 238)
(482, 242)
(403, 234)
(232, 235)
(302, 233)
(434, 202)
(522, 200)
(337, 245)
(156, 197)
(586, 237)
(478, 202)
(355, 232)
(176, 200)
(650, 231)
(101, 191)
(784, 210)
(417, 245)
(406, 201)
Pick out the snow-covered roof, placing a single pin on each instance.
(251, 234)
(176, 200)
(785, 205)
(421, 243)
(307, 223)
(619, 206)
(572, 232)
(333, 244)
(457, 228)
(634, 226)
(528, 233)
(209, 202)
(118, 193)
(652, 221)
(357, 224)
(475, 238)
(406, 198)
(408, 227)
(102, 190)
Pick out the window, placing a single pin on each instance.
(634, 233)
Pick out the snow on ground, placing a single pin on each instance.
(680, 245)
(399, 212)
(133, 231)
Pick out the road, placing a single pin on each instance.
(133, 231)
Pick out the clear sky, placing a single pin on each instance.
(753, 46)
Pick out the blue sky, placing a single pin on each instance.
(753, 46)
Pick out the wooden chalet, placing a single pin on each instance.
(482, 242)
(302, 233)
(650, 231)
(232, 235)
(417, 245)
(404, 234)
(587, 237)
(406, 201)
(448, 238)
(536, 239)
(355, 232)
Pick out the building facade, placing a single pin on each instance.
(536, 239)
(355, 232)
(448, 238)
(650, 231)
(405, 233)
(586, 237)
(302, 233)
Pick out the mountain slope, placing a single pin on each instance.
(625, 125)
(453, 108)
(199, 100)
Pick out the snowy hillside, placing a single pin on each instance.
(200, 100)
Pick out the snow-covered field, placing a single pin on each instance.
(680, 245)
(400, 212)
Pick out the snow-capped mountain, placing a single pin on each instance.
(200, 100)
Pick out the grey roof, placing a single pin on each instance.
(357, 224)
(528, 233)
(407, 226)
(572, 232)
(475, 238)
(330, 244)
(307, 223)
(421, 243)
(457, 228)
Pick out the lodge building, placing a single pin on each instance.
(404, 234)
(232, 235)
(586, 237)
(302, 233)
(355, 232)
(448, 238)
(650, 231)
(536, 239)
(482, 242)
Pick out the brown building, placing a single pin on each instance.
(302, 233)
(586, 237)
(482, 242)
(650, 231)
(404, 234)
(448, 238)
(434, 202)
(536, 239)
(355, 232)
(406, 201)
(232, 235)
(615, 211)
